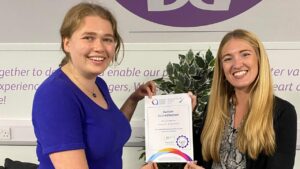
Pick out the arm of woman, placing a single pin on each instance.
(147, 89)
(71, 159)
(286, 135)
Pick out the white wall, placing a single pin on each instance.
(40, 20)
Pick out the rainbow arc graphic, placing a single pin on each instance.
(170, 151)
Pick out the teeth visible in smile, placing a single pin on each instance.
(240, 73)
(97, 58)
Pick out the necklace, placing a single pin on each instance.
(92, 92)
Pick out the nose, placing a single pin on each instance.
(237, 62)
(98, 45)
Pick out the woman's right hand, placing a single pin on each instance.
(194, 99)
(150, 165)
(192, 165)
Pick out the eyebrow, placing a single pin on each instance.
(244, 50)
(95, 34)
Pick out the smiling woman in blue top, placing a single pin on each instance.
(76, 122)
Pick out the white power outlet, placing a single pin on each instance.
(5, 133)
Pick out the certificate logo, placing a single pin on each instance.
(182, 141)
(154, 102)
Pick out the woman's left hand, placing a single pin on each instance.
(192, 165)
(147, 89)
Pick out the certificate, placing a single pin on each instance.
(168, 128)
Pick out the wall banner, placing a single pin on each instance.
(187, 13)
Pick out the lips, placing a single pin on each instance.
(239, 74)
(97, 59)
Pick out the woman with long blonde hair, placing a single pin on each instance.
(245, 125)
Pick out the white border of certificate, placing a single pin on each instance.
(168, 128)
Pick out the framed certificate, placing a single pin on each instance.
(168, 128)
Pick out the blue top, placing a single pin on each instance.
(64, 118)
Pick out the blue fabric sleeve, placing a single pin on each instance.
(57, 118)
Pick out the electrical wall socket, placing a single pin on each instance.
(5, 133)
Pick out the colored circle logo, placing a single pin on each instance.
(154, 102)
(182, 141)
(187, 13)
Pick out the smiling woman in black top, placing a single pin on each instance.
(246, 125)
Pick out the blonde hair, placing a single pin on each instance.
(75, 17)
(256, 134)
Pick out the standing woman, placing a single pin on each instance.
(75, 120)
(246, 126)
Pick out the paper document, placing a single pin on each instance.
(168, 128)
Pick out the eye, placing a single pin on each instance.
(244, 54)
(88, 38)
(108, 40)
(226, 58)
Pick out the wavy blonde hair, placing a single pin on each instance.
(256, 133)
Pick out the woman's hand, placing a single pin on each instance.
(147, 89)
(150, 166)
(194, 99)
(192, 165)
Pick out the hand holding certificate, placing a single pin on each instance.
(168, 128)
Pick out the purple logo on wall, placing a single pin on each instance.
(187, 13)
